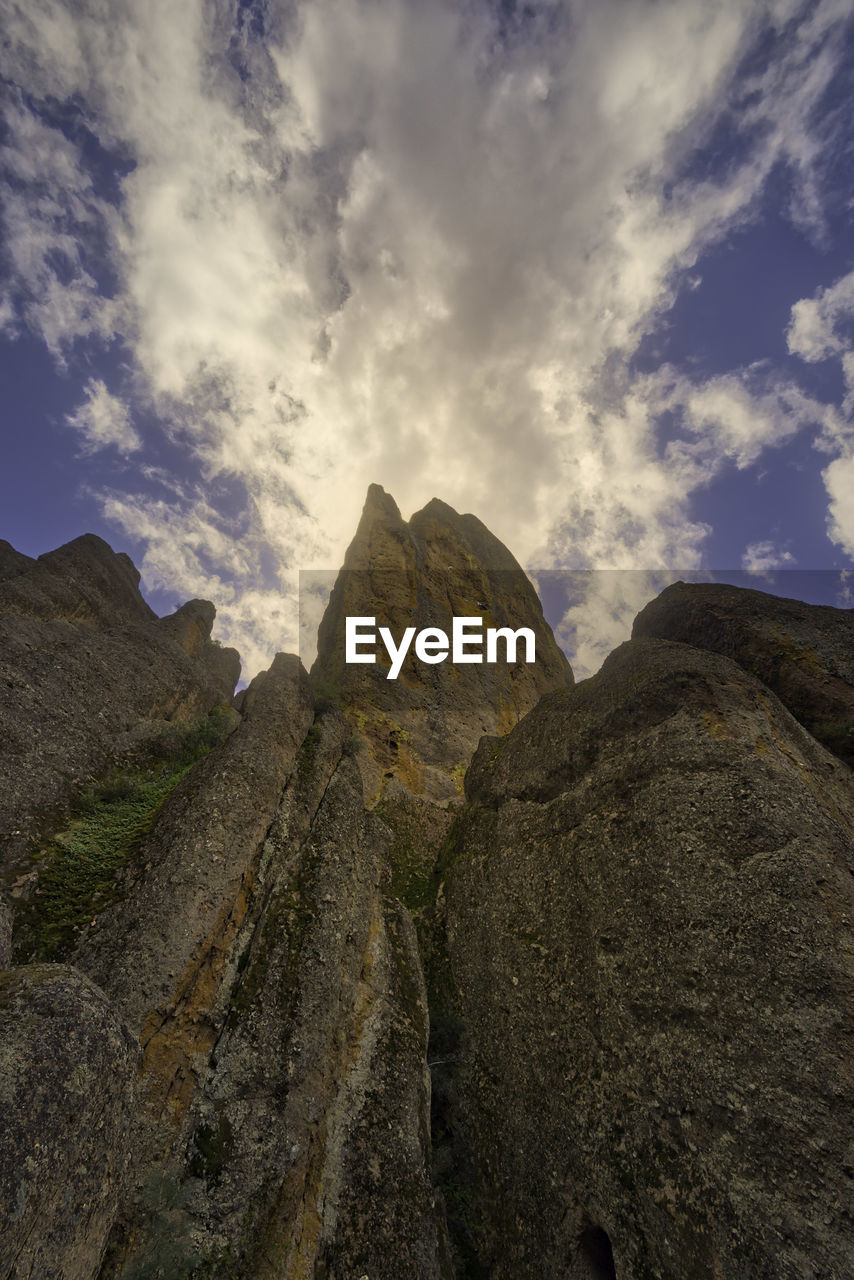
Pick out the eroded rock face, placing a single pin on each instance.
(88, 675)
(67, 1074)
(636, 932)
(278, 996)
(423, 727)
(649, 921)
(310, 1133)
(5, 935)
(160, 954)
(804, 652)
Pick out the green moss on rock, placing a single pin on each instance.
(83, 862)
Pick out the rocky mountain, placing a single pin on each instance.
(280, 1001)
(422, 727)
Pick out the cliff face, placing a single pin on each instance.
(271, 1111)
(423, 727)
(67, 1101)
(89, 676)
(650, 895)
(586, 1021)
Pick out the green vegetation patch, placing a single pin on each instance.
(83, 862)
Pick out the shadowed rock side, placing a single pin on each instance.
(67, 1073)
(88, 676)
(423, 727)
(804, 652)
(649, 923)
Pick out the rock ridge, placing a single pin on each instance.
(492, 975)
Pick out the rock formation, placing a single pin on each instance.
(67, 1076)
(649, 922)
(321, 1015)
(423, 727)
(89, 675)
(805, 653)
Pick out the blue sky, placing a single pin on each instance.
(584, 269)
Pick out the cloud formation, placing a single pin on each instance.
(104, 420)
(822, 328)
(411, 243)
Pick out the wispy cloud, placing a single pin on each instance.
(390, 242)
(763, 557)
(103, 420)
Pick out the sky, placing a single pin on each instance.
(584, 268)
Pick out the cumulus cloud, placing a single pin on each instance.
(103, 419)
(395, 241)
(734, 417)
(816, 329)
(763, 557)
(821, 328)
(839, 481)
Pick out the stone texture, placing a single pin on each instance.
(804, 652)
(649, 922)
(317, 1083)
(160, 953)
(67, 1071)
(284, 1084)
(12, 562)
(88, 675)
(423, 727)
(634, 935)
(5, 935)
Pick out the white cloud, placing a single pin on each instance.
(52, 217)
(839, 481)
(102, 420)
(814, 331)
(393, 248)
(735, 416)
(763, 557)
(822, 327)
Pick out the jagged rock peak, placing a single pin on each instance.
(423, 726)
(82, 581)
(378, 502)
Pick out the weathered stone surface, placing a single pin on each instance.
(5, 935)
(88, 675)
(318, 1078)
(303, 1081)
(637, 936)
(161, 952)
(423, 727)
(67, 1071)
(650, 915)
(804, 652)
(12, 562)
(84, 581)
